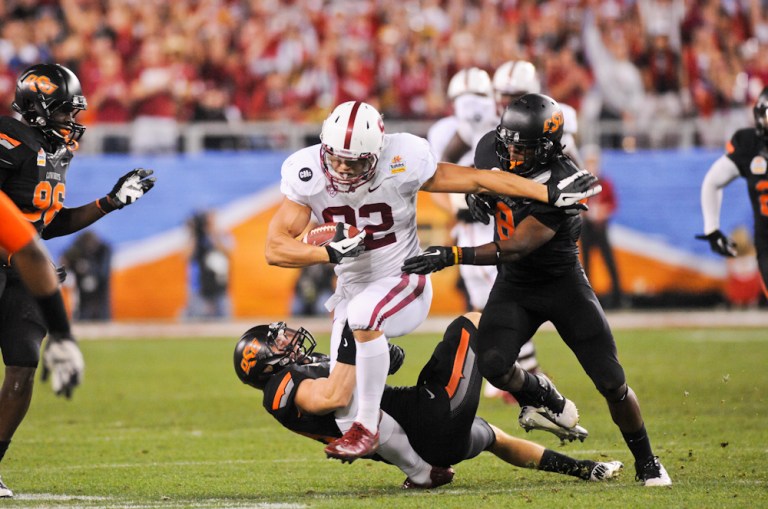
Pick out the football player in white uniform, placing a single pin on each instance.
(360, 176)
(454, 139)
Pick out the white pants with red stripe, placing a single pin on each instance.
(394, 305)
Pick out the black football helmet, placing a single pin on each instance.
(760, 111)
(266, 349)
(529, 133)
(48, 96)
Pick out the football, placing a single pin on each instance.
(322, 234)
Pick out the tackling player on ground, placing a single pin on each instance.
(436, 416)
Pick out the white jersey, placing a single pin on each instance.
(385, 207)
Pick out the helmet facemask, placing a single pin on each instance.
(356, 170)
(521, 156)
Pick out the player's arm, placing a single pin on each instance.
(129, 188)
(452, 178)
(722, 172)
(324, 395)
(282, 246)
(529, 235)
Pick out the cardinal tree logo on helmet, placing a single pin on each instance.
(40, 84)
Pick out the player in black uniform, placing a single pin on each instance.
(34, 157)
(540, 277)
(437, 415)
(746, 156)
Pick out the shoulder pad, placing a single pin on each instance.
(485, 153)
(15, 135)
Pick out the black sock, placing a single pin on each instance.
(552, 461)
(4, 447)
(529, 393)
(639, 444)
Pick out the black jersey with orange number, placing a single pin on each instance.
(279, 400)
(558, 255)
(32, 171)
(749, 153)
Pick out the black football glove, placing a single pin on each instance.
(481, 207)
(568, 192)
(342, 246)
(130, 187)
(719, 243)
(396, 358)
(434, 258)
(63, 363)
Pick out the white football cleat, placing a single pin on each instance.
(604, 471)
(5, 491)
(653, 473)
(564, 425)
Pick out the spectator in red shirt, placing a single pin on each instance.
(594, 229)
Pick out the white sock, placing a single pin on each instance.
(372, 365)
(395, 448)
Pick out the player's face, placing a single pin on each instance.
(348, 168)
(285, 342)
(518, 154)
(64, 118)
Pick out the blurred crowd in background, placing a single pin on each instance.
(634, 61)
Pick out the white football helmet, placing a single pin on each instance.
(513, 79)
(470, 81)
(352, 137)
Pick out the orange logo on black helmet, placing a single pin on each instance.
(554, 123)
(40, 84)
(249, 354)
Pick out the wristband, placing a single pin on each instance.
(105, 205)
(347, 347)
(464, 255)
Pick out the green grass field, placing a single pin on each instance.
(166, 423)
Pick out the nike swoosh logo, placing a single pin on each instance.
(372, 189)
(429, 393)
(345, 343)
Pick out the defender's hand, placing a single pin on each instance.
(568, 192)
(481, 207)
(719, 243)
(434, 258)
(345, 247)
(396, 358)
(131, 186)
(63, 362)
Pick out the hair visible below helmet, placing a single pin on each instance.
(532, 126)
(513, 79)
(44, 91)
(354, 133)
(266, 349)
(470, 81)
(760, 111)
